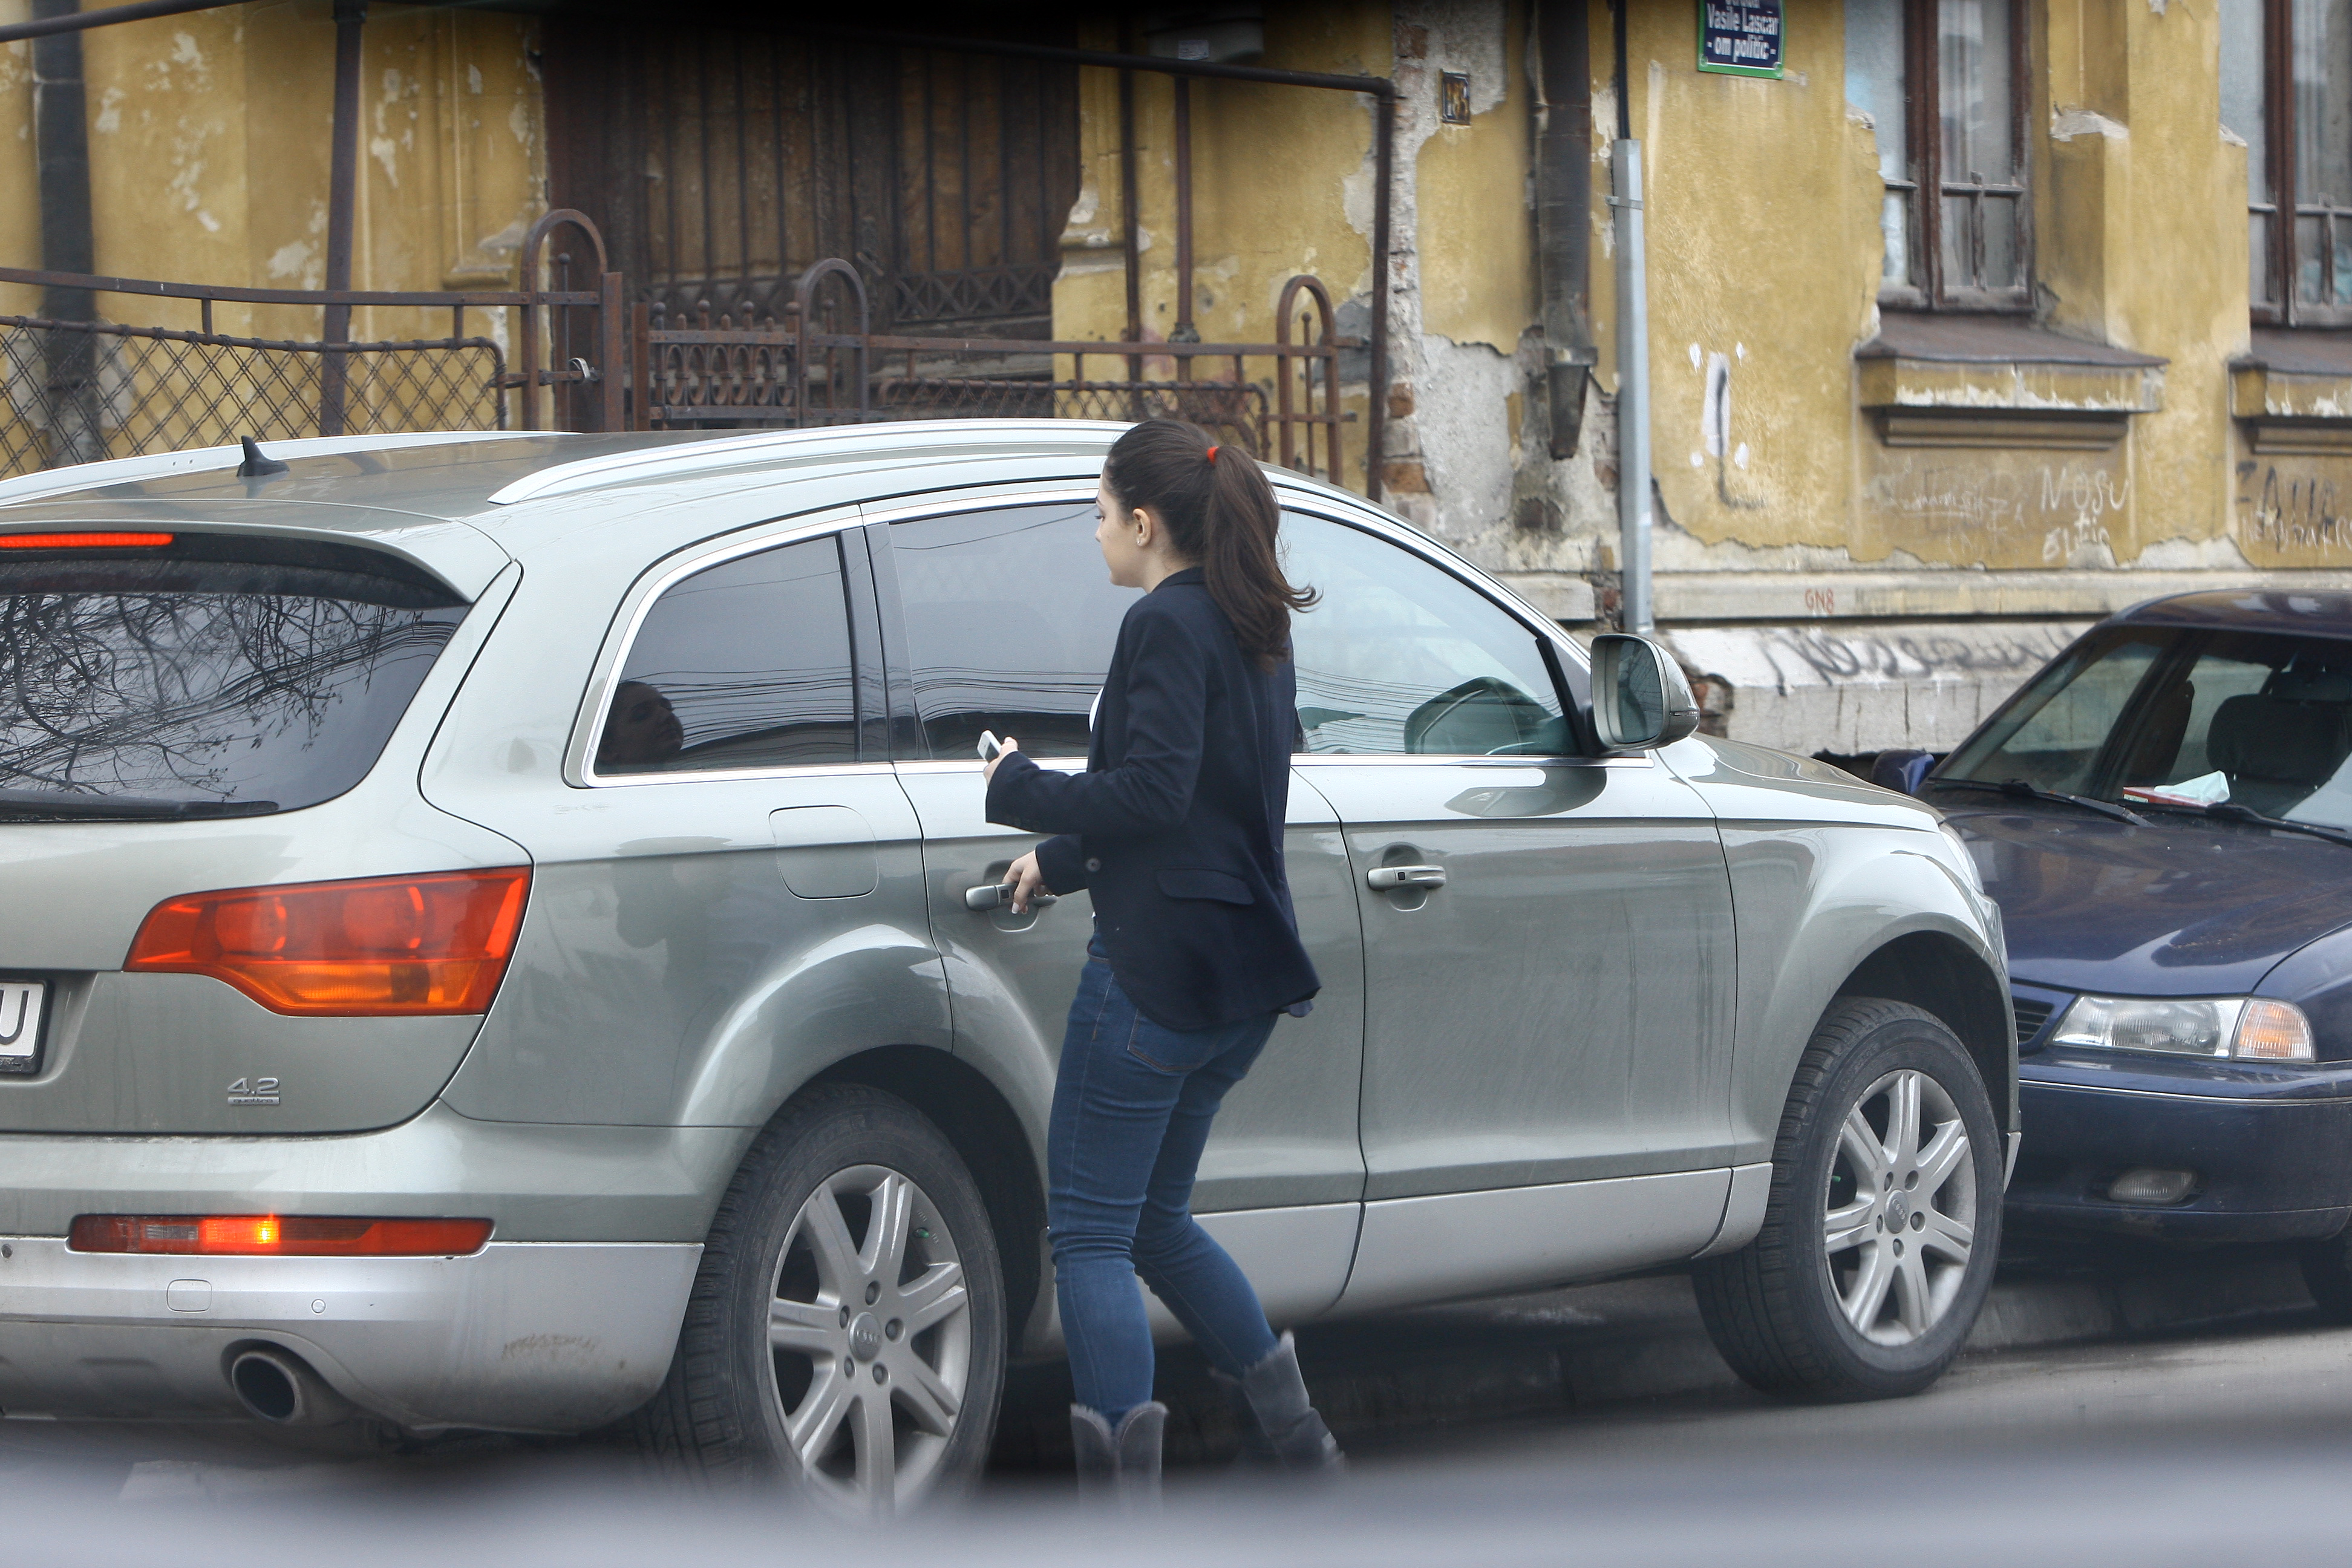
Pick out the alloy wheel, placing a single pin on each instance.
(1900, 1212)
(871, 1339)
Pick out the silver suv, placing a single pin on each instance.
(500, 932)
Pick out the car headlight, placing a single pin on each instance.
(2249, 1028)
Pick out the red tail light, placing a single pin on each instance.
(269, 1235)
(378, 947)
(110, 541)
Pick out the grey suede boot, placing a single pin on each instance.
(1288, 1426)
(1256, 1453)
(1120, 1466)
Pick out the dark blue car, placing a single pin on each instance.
(2164, 815)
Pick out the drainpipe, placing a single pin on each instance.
(1563, 212)
(342, 211)
(61, 141)
(1184, 331)
(1632, 392)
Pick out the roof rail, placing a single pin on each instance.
(49, 482)
(721, 453)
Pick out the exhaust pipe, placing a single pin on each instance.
(278, 1386)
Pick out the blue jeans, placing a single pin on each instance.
(1132, 1105)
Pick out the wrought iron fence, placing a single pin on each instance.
(820, 363)
(80, 390)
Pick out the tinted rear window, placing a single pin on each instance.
(161, 685)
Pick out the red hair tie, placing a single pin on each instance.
(1213, 454)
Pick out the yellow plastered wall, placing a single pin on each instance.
(1761, 213)
(1476, 235)
(1282, 185)
(1760, 206)
(20, 210)
(210, 135)
(2140, 222)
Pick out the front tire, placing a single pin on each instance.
(845, 1337)
(1883, 1222)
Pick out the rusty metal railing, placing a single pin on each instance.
(78, 390)
(821, 364)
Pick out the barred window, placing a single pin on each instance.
(1944, 84)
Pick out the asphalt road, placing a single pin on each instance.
(2188, 1448)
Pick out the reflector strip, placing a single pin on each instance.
(277, 1236)
(85, 540)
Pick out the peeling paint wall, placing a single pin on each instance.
(20, 198)
(210, 135)
(1282, 180)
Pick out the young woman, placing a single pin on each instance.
(1176, 829)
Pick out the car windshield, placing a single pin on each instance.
(2182, 716)
(152, 685)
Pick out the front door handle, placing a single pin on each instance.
(1387, 877)
(999, 896)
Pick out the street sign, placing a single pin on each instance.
(1739, 37)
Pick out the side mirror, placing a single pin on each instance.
(1902, 772)
(1640, 699)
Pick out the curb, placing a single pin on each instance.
(1599, 1346)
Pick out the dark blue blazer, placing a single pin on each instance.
(1176, 825)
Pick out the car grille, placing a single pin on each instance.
(2030, 1017)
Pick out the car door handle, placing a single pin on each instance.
(1386, 877)
(999, 895)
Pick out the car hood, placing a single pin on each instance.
(2182, 907)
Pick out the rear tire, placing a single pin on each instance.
(1860, 1286)
(845, 1336)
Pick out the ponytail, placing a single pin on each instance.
(1220, 511)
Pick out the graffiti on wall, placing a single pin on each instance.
(1994, 507)
(2293, 513)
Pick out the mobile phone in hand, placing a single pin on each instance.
(990, 746)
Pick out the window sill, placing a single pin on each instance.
(2292, 392)
(1987, 381)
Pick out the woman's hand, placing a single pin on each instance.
(1004, 748)
(1026, 879)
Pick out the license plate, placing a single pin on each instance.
(24, 1004)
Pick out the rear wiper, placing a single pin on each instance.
(2231, 811)
(2017, 789)
(126, 808)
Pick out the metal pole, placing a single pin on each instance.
(1564, 213)
(1632, 393)
(61, 155)
(1383, 168)
(342, 208)
(1183, 331)
(1130, 234)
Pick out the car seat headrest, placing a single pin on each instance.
(2278, 741)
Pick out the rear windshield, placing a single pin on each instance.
(163, 686)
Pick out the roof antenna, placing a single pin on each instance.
(257, 465)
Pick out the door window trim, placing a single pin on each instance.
(588, 727)
(1545, 634)
(972, 501)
